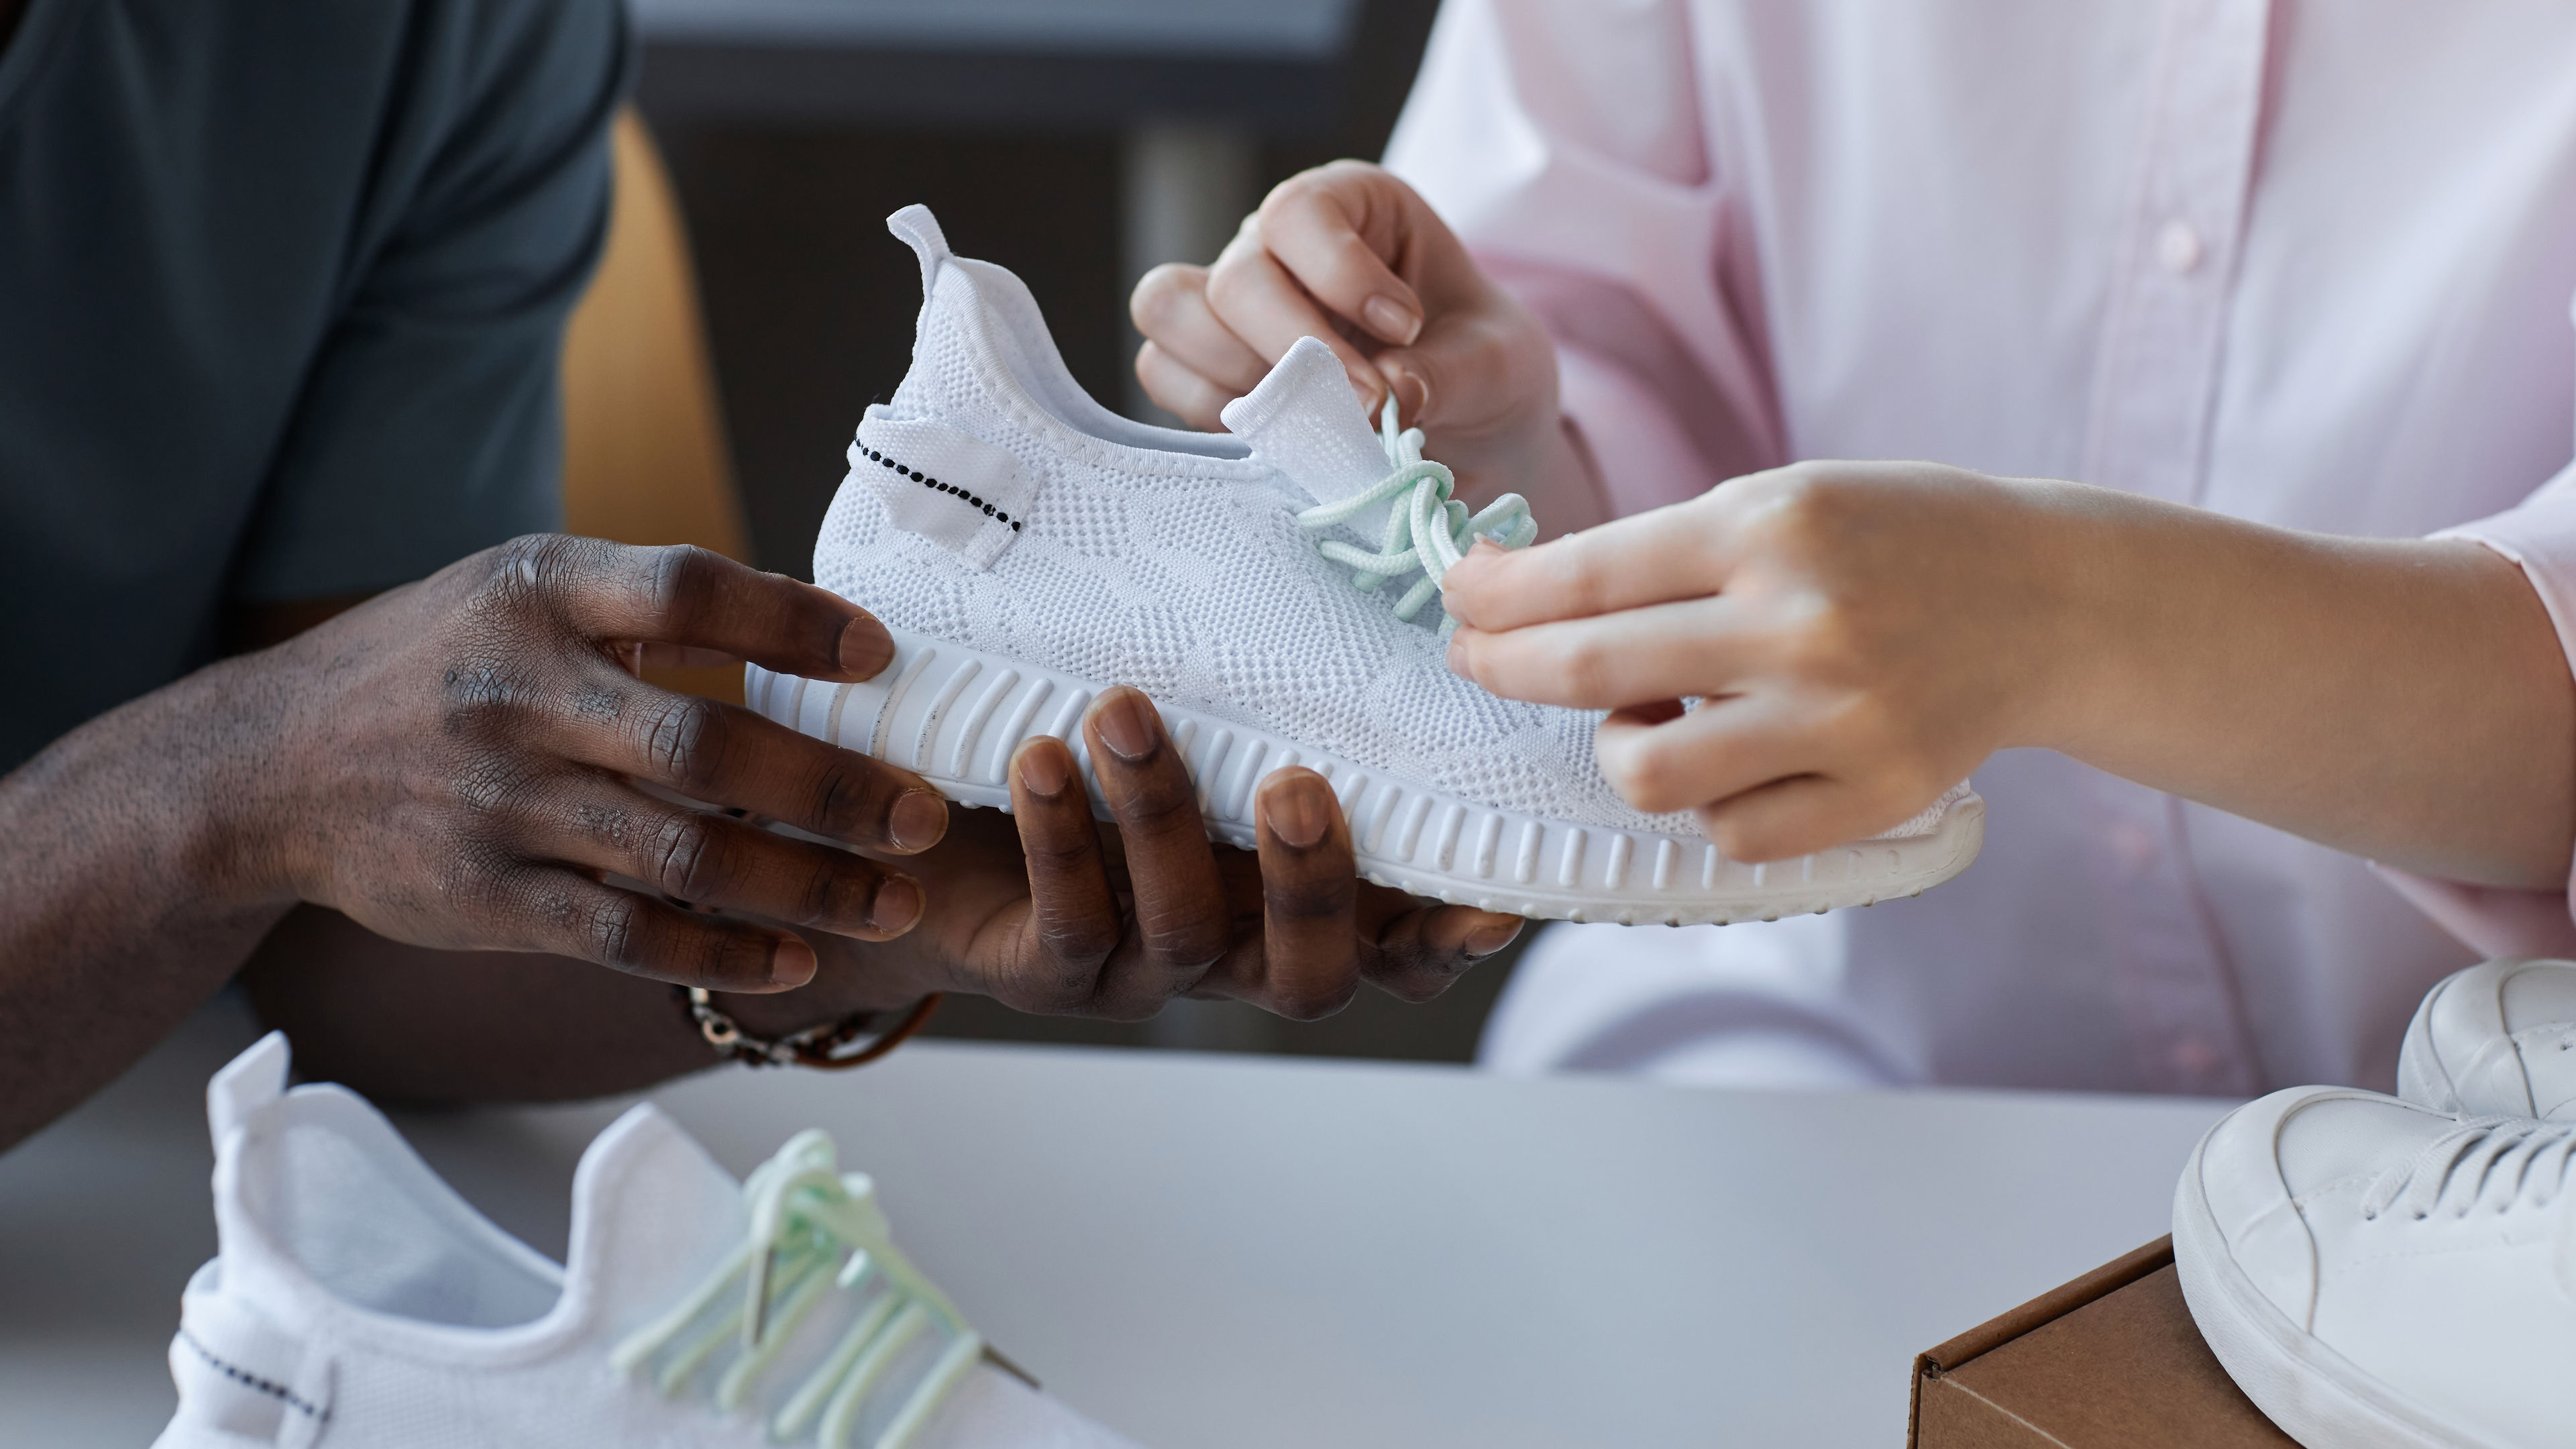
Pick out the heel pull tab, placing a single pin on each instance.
(249, 1082)
(918, 229)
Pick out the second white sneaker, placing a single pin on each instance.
(1274, 592)
(357, 1300)
(2375, 1274)
(2498, 1039)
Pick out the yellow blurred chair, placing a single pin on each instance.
(644, 449)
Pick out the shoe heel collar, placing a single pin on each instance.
(915, 227)
(247, 1083)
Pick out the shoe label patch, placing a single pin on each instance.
(950, 487)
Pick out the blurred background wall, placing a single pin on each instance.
(1077, 142)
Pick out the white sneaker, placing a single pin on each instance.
(357, 1299)
(2498, 1039)
(1027, 548)
(2376, 1273)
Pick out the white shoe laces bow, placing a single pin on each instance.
(1428, 530)
(2514, 1160)
(813, 1230)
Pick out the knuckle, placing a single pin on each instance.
(685, 741)
(1156, 810)
(1230, 286)
(1869, 723)
(1298, 190)
(1742, 836)
(1813, 505)
(1646, 775)
(529, 561)
(1073, 944)
(608, 825)
(1066, 978)
(1183, 944)
(485, 697)
(523, 574)
(1159, 296)
(684, 856)
(673, 575)
(845, 799)
(1817, 632)
(615, 927)
(1315, 898)
(1585, 663)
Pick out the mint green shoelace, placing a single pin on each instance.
(813, 1229)
(1428, 530)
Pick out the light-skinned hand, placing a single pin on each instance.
(1861, 636)
(1350, 254)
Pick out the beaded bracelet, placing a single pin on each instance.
(813, 1047)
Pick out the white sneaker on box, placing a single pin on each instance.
(2374, 1273)
(356, 1299)
(1028, 548)
(2498, 1039)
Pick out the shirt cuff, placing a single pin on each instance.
(2488, 920)
(2539, 537)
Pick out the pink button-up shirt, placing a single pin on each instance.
(2304, 263)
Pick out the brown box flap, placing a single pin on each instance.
(2112, 1358)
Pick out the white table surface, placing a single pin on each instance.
(1208, 1251)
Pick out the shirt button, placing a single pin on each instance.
(2178, 246)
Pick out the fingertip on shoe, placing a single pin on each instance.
(865, 648)
(1043, 767)
(918, 821)
(1128, 725)
(1296, 813)
(1492, 936)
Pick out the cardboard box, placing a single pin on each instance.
(2112, 1358)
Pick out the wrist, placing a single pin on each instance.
(171, 797)
(232, 749)
(2077, 599)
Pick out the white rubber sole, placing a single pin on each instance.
(955, 716)
(2316, 1395)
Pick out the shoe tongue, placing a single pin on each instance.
(652, 1214)
(1304, 421)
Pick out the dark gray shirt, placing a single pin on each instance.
(281, 288)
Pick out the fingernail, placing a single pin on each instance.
(866, 648)
(918, 820)
(792, 964)
(1392, 320)
(1296, 816)
(1129, 726)
(1457, 657)
(1370, 388)
(1043, 771)
(897, 906)
(1412, 396)
(1487, 939)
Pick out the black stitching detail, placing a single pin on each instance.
(249, 1380)
(951, 489)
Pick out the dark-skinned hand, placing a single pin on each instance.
(470, 763)
(1049, 911)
